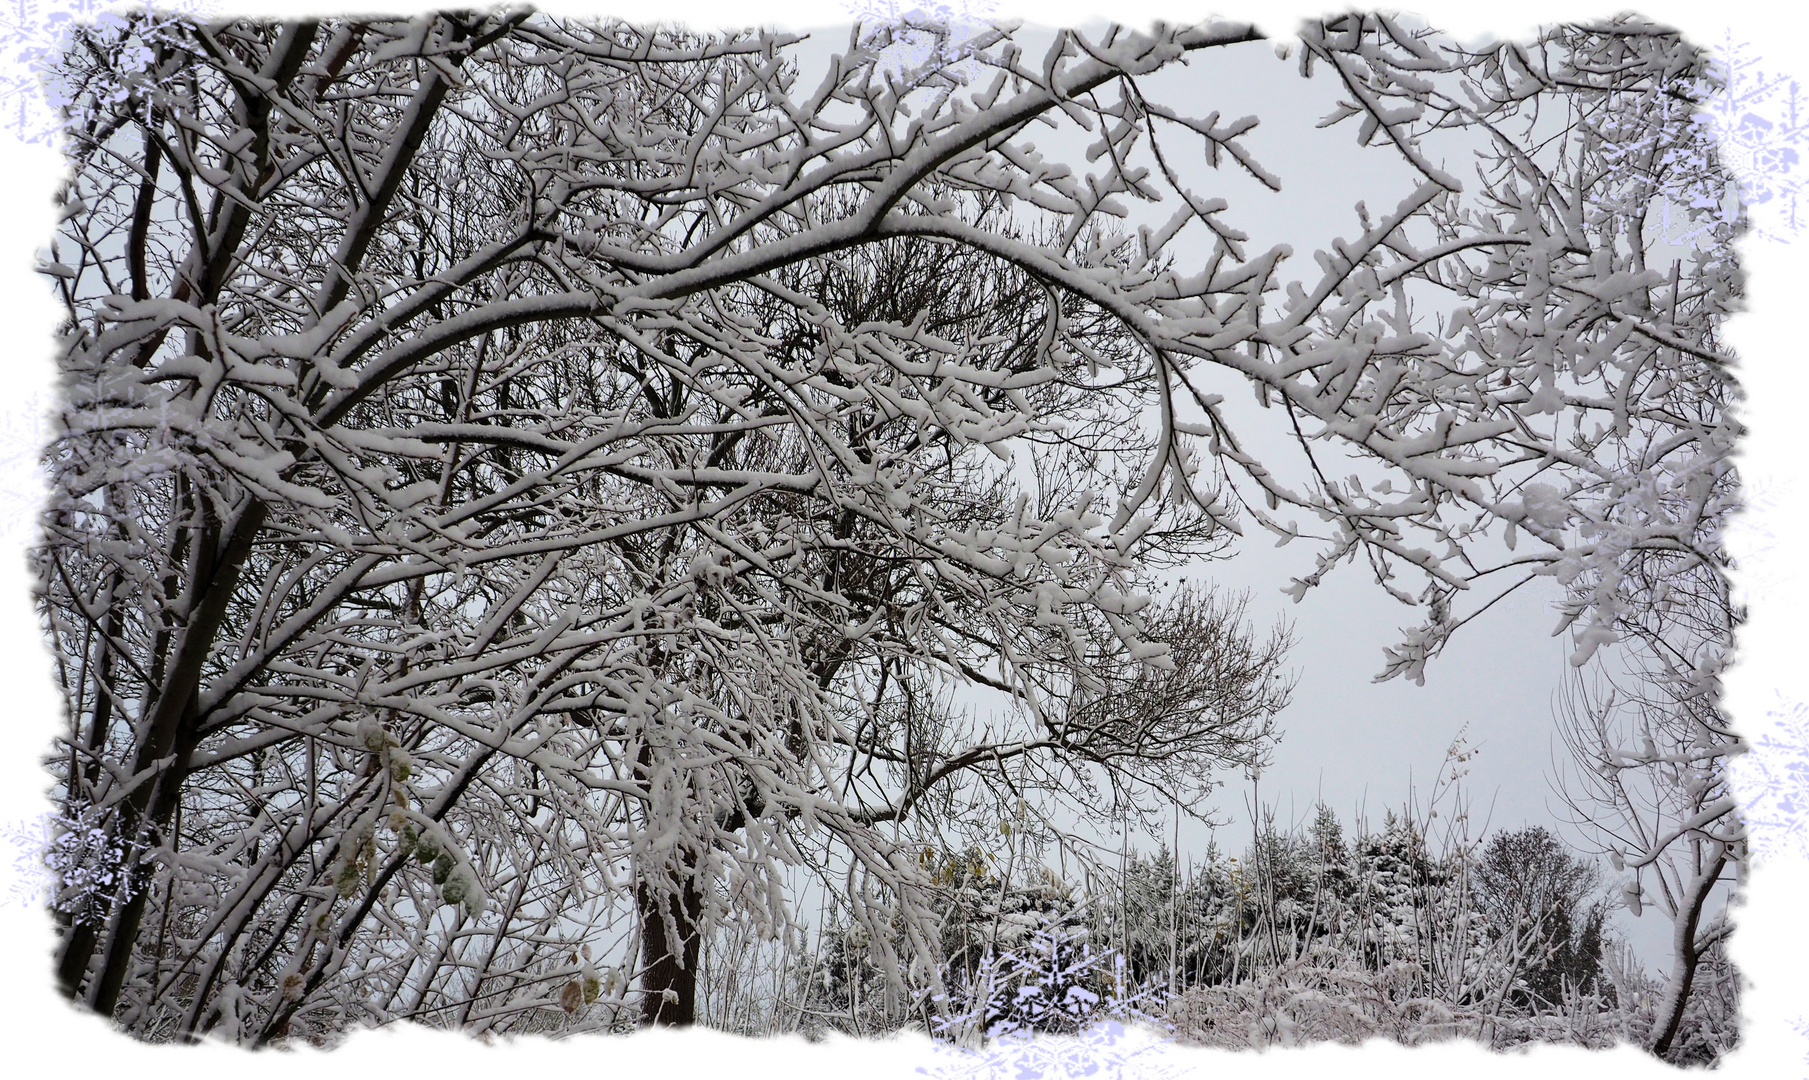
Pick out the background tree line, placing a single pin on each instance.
(1308, 935)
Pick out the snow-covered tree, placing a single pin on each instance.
(514, 464)
(1528, 885)
(430, 541)
(1644, 729)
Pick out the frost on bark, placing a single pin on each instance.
(516, 468)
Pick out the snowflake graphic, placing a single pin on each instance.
(1771, 780)
(34, 35)
(1729, 146)
(23, 433)
(917, 39)
(1749, 129)
(1757, 117)
(30, 877)
(1020, 996)
(1108, 1049)
(1761, 552)
(64, 860)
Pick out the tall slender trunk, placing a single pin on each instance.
(671, 941)
(82, 923)
(167, 740)
(168, 731)
(1688, 958)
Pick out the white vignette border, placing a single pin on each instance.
(1765, 692)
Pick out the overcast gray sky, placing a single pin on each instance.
(1347, 740)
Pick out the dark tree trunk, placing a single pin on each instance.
(671, 941)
